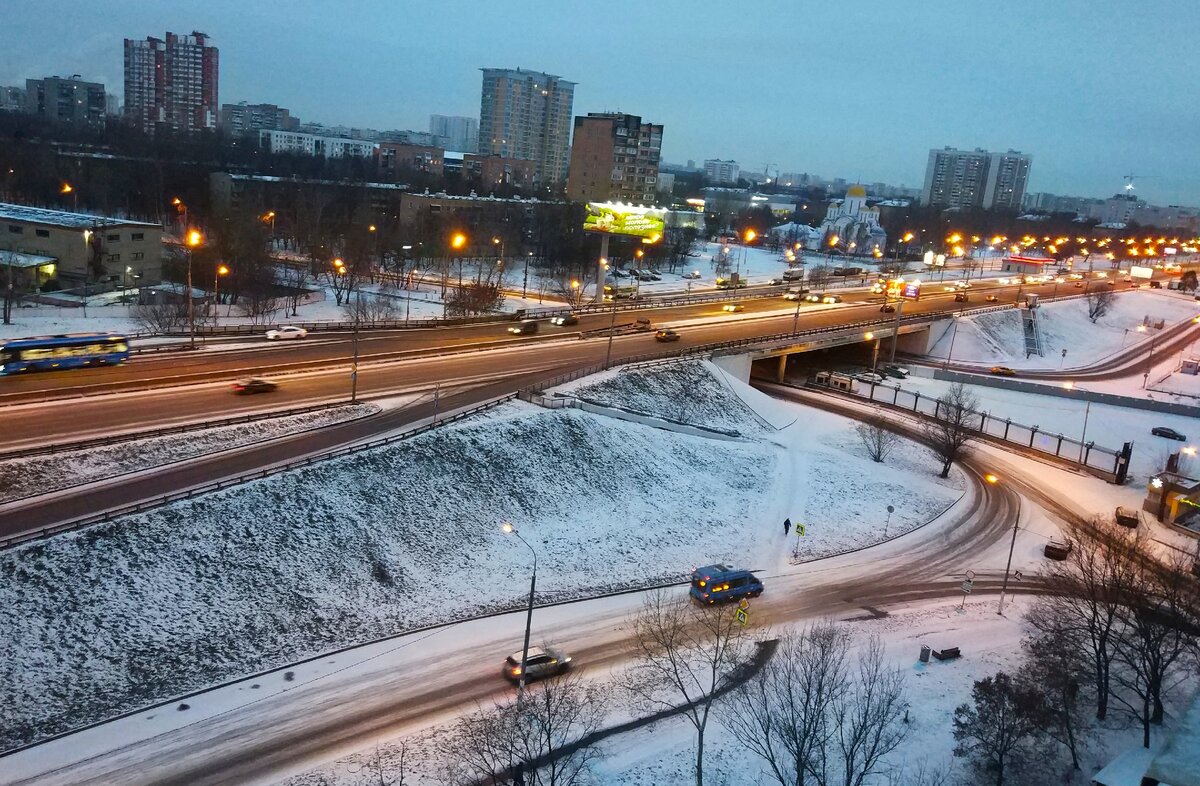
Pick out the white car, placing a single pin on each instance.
(285, 332)
(868, 376)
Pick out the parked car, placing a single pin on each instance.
(1057, 550)
(666, 334)
(1169, 433)
(253, 385)
(869, 377)
(540, 663)
(564, 320)
(900, 372)
(286, 332)
(1127, 279)
(775, 282)
(831, 299)
(1003, 371)
(526, 327)
(721, 584)
(618, 273)
(733, 308)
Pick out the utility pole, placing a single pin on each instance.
(612, 326)
(354, 344)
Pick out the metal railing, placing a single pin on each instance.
(1087, 455)
(84, 444)
(157, 502)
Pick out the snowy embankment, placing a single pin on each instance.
(998, 337)
(27, 477)
(279, 569)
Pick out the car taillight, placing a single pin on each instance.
(703, 583)
(516, 671)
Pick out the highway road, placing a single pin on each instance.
(340, 703)
(177, 387)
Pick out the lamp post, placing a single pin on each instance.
(1087, 409)
(511, 530)
(193, 240)
(354, 346)
(576, 292)
(612, 328)
(1149, 358)
(457, 242)
(67, 189)
(525, 281)
(993, 479)
(221, 270)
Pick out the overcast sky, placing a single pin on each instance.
(1093, 89)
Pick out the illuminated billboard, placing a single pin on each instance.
(911, 291)
(616, 219)
(1136, 271)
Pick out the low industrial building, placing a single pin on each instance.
(73, 248)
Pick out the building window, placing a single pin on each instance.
(113, 258)
(43, 232)
(114, 238)
(138, 236)
(16, 230)
(136, 255)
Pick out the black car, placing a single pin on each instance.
(1169, 433)
(888, 308)
(666, 334)
(900, 372)
(253, 385)
(564, 319)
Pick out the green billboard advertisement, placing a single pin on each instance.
(617, 219)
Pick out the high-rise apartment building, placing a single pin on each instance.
(172, 83)
(614, 157)
(67, 100)
(718, 172)
(452, 132)
(527, 115)
(12, 99)
(975, 178)
(242, 119)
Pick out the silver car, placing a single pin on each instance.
(541, 663)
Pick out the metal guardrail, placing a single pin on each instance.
(166, 499)
(84, 444)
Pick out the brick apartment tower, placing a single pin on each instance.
(172, 83)
(614, 158)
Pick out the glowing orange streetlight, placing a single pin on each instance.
(194, 238)
(750, 235)
(458, 241)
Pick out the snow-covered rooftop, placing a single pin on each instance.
(62, 218)
(19, 259)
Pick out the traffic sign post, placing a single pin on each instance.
(890, 510)
(966, 586)
(742, 617)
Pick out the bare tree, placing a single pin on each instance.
(1056, 667)
(1098, 303)
(685, 651)
(293, 277)
(950, 429)
(813, 720)
(372, 309)
(163, 317)
(818, 276)
(1085, 595)
(474, 298)
(534, 736)
(876, 438)
(997, 728)
(1156, 633)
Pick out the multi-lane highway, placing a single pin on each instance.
(174, 387)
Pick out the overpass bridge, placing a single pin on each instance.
(915, 334)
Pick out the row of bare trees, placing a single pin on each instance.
(1117, 633)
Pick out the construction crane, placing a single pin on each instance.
(1129, 180)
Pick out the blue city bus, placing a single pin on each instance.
(74, 350)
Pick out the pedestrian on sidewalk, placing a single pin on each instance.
(787, 526)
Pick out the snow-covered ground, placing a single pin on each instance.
(269, 572)
(26, 477)
(664, 754)
(997, 336)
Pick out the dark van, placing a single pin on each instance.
(721, 584)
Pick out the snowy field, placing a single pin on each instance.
(664, 754)
(997, 336)
(26, 477)
(270, 572)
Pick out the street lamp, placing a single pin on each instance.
(221, 270)
(458, 242)
(575, 292)
(192, 240)
(67, 189)
(525, 281)
(509, 529)
(993, 479)
(1086, 411)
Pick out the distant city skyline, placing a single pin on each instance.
(791, 87)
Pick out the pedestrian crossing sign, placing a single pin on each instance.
(799, 530)
(742, 616)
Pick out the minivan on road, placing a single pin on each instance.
(722, 584)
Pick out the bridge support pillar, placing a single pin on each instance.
(781, 370)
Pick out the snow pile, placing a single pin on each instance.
(26, 477)
(997, 336)
(685, 392)
(272, 571)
